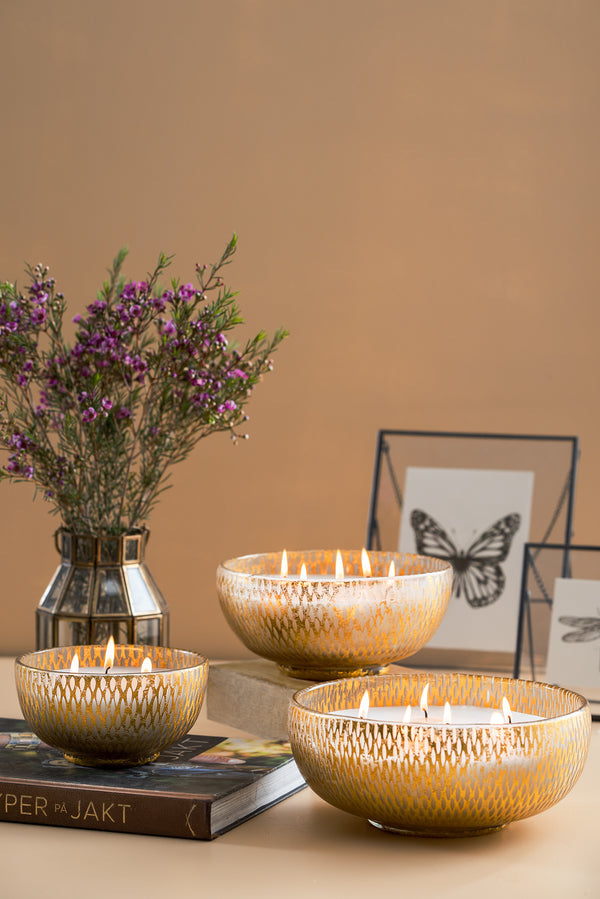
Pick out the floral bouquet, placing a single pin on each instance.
(96, 425)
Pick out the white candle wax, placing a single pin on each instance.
(460, 715)
(99, 671)
(109, 667)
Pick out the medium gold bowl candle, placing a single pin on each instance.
(322, 614)
(440, 779)
(116, 717)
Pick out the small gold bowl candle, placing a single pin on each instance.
(476, 754)
(323, 614)
(100, 710)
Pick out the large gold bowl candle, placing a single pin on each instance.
(501, 750)
(117, 714)
(322, 614)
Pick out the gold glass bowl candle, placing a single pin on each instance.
(118, 717)
(436, 779)
(322, 614)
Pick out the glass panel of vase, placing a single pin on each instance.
(133, 549)
(76, 598)
(84, 550)
(110, 550)
(140, 597)
(103, 630)
(147, 630)
(55, 588)
(111, 598)
(156, 594)
(66, 546)
(44, 635)
(71, 632)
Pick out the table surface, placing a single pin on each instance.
(304, 847)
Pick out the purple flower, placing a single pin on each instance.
(38, 316)
(122, 312)
(123, 412)
(96, 306)
(89, 414)
(237, 373)
(229, 404)
(169, 327)
(21, 380)
(106, 404)
(38, 292)
(187, 292)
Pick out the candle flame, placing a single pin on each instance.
(339, 567)
(423, 700)
(303, 575)
(146, 665)
(109, 658)
(366, 564)
(363, 709)
(506, 709)
(392, 569)
(75, 664)
(447, 717)
(407, 714)
(284, 564)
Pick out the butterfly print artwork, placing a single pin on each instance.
(477, 572)
(587, 629)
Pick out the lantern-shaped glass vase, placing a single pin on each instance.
(101, 588)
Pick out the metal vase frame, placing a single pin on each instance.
(101, 588)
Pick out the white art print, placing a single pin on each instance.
(574, 646)
(478, 520)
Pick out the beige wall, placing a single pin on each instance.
(416, 191)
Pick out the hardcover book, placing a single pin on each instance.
(197, 789)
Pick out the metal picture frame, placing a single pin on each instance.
(551, 459)
(558, 638)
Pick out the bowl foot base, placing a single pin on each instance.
(440, 834)
(324, 674)
(93, 761)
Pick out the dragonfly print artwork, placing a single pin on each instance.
(478, 575)
(586, 629)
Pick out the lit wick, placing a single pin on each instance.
(424, 700)
(109, 658)
(363, 711)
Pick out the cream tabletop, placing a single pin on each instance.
(305, 848)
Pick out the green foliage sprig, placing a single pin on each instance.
(97, 424)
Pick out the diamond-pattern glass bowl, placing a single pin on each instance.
(321, 626)
(436, 779)
(114, 719)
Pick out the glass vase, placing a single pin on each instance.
(101, 588)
